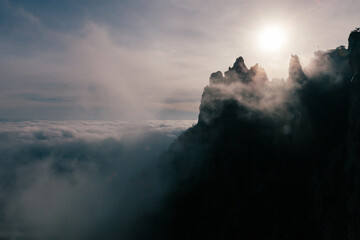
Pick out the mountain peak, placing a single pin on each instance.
(296, 73)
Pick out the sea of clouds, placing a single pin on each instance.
(81, 179)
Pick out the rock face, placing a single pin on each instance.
(352, 167)
(295, 70)
(271, 159)
(354, 104)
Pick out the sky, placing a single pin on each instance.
(141, 59)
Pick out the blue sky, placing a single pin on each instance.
(146, 59)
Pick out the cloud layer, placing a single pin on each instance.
(80, 180)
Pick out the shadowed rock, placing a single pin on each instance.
(270, 160)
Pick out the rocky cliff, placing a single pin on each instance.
(271, 159)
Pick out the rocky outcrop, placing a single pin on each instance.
(352, 167)
(270, 159)
(239, 73)
(354, 103)
(296, 73)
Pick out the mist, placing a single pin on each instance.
(95, 141)
(81, 180)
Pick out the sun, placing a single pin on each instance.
(272, 38)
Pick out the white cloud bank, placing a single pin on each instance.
(80, 179)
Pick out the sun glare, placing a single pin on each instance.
(272, 38)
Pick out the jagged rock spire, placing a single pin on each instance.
(354, 101)
(239, 73)
(354, 50)
(239, 66)
(216, 77)
(296, 73)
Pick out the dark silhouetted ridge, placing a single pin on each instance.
(271, 159)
